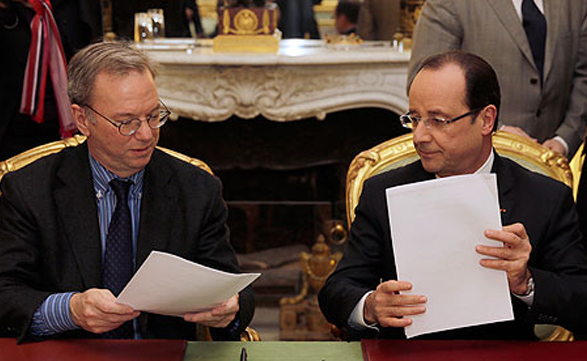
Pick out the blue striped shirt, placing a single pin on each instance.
(53, 314)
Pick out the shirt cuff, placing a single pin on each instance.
(53, 316)
(564, 144)
(356, 319)
(528, 299)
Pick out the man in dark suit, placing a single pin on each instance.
(68, 246)
(454, 103)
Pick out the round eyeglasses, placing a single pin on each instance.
(411, 122)
(129, 127)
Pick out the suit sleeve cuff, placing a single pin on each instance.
(357, 320)
(228, 333)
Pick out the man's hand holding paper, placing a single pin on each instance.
(220, 316)
(387, 307)
(96, 310)
(512, 257)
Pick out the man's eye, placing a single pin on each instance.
(437, 120)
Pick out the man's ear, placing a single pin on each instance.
(488, 118)
(81, 119)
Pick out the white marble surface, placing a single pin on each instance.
(306, 78)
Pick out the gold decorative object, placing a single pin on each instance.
(245, 23)
(248, 29)
(250, 335)
(391, 154)
(557, 334)
(324, 14)
(300, 316)
(576, 165)
(352, 39)
(108, 32)
(533, 156)
(337, 233)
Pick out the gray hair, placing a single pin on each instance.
(117, 58)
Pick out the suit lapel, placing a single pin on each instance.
(156, 208)
(553, 11)
(504, 9)
(78, 215)
(420, 174)
(505, 184)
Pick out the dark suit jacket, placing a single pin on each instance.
(50, 238)
(558, 261)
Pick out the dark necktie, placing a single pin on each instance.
(535, 27)
(118, 260)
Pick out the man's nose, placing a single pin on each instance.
(145, 132)
(421, 132)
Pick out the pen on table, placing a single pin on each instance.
(243, 354)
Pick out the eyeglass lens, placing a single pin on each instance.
(155, 121)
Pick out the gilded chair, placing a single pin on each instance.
(29, 156)
(576, 165)
(400, 151)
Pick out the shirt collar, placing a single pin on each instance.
(487, 166)
(103, 176)
(518, 6)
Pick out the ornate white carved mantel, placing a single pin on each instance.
(305, 79)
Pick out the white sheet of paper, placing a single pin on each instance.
(170, 285)
(435, 226)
